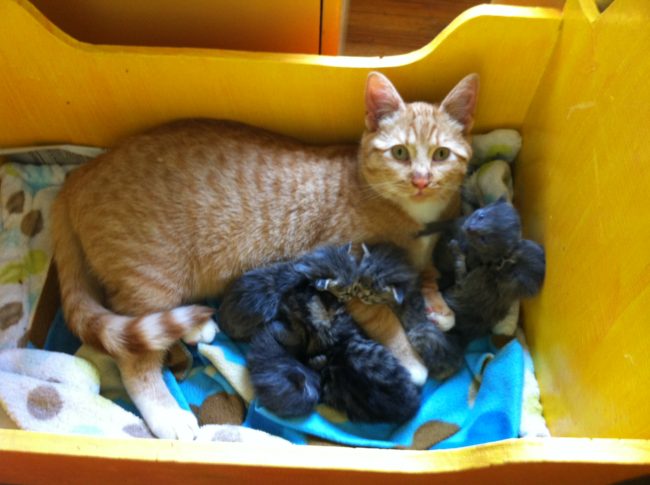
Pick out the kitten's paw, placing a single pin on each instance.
(202, 333)
(173, 424)
(317, 362)
(444, 322)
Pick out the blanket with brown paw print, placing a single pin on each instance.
(54, 392)
(26, 196)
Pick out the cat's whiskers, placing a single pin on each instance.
(374, 192)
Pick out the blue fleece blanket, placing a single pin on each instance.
(481, 403)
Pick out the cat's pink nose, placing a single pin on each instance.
(420, 182)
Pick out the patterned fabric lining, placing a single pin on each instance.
(26, 196)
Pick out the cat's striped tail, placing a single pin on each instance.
(117, 335)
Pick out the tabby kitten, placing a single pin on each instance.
(172, 215)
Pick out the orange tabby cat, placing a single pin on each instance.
(174, 214)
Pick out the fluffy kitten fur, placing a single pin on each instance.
(486, 266)
(172, 215)
(314, 352)
(255, 298)
(290, 324)
(386, 276)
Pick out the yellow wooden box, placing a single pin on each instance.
(575, 82)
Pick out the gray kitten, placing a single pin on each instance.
(485, 267)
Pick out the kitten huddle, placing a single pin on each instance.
(305, 346)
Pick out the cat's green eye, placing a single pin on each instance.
(400, 152)
(441, 153)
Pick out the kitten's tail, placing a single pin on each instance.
(118, 335)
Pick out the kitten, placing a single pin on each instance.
(314, 352)
(283, 382)
(492, 267)
(172, 215)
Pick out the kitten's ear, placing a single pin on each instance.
(398, 294)
(382, 99)
(323, 284)
(366, 251)
(461, 101)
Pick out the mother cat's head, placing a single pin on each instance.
(414, 153)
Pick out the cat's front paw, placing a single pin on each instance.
(417, 370)
(444, 321)
(172, 424)
(202, 333)
(441, 355)
(437, 311)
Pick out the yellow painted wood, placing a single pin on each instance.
(257, 25)
(57, 89)
(532, 3)
(99, 460)
(582, 184)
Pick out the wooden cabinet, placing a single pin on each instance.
(300, 26)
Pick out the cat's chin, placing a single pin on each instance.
(423, 208)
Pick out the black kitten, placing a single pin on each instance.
(486, 266)
(306, 348)
(386, 276)
(282, 383)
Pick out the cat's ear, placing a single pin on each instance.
(461, 101)
(382, 99)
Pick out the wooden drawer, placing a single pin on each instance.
(300, 26)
